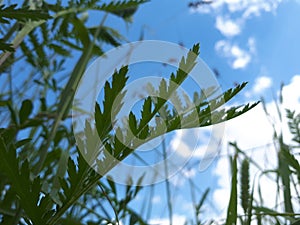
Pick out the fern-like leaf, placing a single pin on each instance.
(204, 114)
(294, 124)
(104, 117)
(21, 14)
(108, 35)
(124, 9)
(27, 190)
(6, 46)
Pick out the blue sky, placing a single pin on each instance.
(255, 41)
(265, 44)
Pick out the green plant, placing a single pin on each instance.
(287, 179)
(43, 177)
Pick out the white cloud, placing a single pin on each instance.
(179, 179)
(291, 91)
(252, 45)
(179, 145)
(156, 199)
(238, 57)
(260, 85)
(176, 220)
(189, 173)
(231, 16)
(244, 7)
(255, 8)
(227, 27)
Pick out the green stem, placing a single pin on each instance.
(74, 199)
(67, 97)
(168, 189)
(68, 94)
(30, 26)
(193, 198)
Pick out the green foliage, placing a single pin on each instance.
(43, 178)
(25, 111)
(284, 174)
(139, 131)
(294, 124)
(5, 46)
(21, 14)
(124, 9)
(232, 207)
(287, 180)
(103, 117)
(27, 190)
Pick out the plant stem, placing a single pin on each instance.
(30, 26)
(68, 94)
(71, 201)
(168, 190)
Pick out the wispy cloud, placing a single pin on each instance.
(230, 20)
(238, 58)
(156, 199)
(228, 27)
(177, 220)
(179, 179)
(246, 8)
(291, 91)
(261, 83)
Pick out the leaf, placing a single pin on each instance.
(297, 222)
(22, 142)
(7, 65)
(284, 174)
(6, 46)
(268, 211)
(59, 49)
(28, 53)
(134, 218)
(108, 35)
(81, 31)
(25, 110)
(28, 191)
(112, 184)
(41, 60)
(76, 179)
(294, 124)
(203, 198)
(220, 100)
(7, 205)
(133, 124)
(111, 92)
(232, 207)
(123, 9)
(185, 67)
(21, 14)
(146, 116)
(291, 160)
